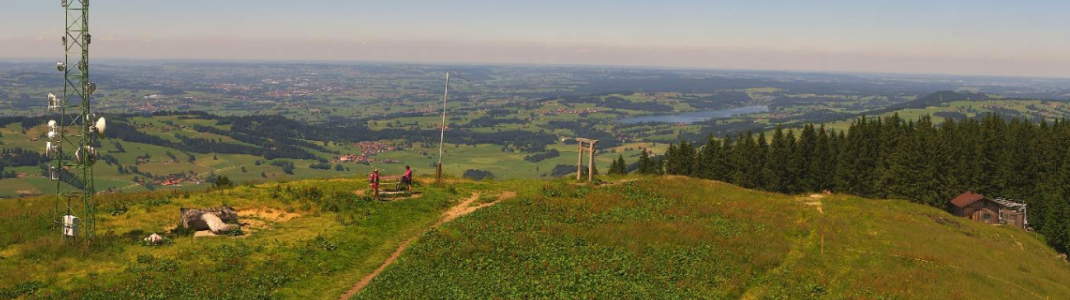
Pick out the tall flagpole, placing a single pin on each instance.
(442, 137)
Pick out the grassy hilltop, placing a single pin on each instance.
(641, 237)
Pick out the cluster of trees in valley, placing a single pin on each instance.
(476, 174)
(616, 102)
(542, 156)
(18, 157)
(900, 159)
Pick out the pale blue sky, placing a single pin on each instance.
(1026, 38)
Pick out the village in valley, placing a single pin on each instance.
(368, 153)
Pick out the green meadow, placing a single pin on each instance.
(674, 237)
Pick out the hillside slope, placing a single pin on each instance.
(676, 237)
(664, 237)
(310, 239)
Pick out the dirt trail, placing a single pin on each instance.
(1020, 246)
(815, 201)
(464, 208)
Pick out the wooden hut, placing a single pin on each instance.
(994, 211)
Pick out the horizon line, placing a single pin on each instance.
(493, 64)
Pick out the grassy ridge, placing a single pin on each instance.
(654, 238)
(686, 238)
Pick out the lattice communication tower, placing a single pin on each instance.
(73, 133)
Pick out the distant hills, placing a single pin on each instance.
(934, 99)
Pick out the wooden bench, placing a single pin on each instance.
(392, 188)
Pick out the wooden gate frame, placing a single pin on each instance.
(590, 158)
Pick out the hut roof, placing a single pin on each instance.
(966, 199)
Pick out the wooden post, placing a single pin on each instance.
(590, 164)
(438, 174)
(579, 161)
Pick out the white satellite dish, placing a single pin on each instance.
(92, 87)
(53, 102)
(52, 148)
(89, 152)
(61, 66)
(51, 124)
(100, 126)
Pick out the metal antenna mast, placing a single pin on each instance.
(71, 137)
(442, 137)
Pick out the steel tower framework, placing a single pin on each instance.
(71, 136)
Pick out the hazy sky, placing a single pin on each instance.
(1024, 38)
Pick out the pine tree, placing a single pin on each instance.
(740, 161)
(806, 154)
(991, 155)
(723, 166)
(822, 165)
(671, 160)
(774, 172)
(659, 165)
(706, 163)
(614, 168)
(685, 159)
(903, 170)
(646, 164)
(842, 176)
(618, 166)
(931, 181)
(760, 172)
(795, 165)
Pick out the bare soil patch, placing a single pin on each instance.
(261, 218)
(464, 208)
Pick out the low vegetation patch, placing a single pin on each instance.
(674, 237)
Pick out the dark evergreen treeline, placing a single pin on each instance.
(543, 156)
(719, 100)
(275, 137)
(618, 167)
(587, 129)
(562, 170)
(477, 175)
(616, 102)
(488, 121)
(18, 157)
(894, 158)
(280, 147)
(523, 140)
(621, 103)
(287, 166)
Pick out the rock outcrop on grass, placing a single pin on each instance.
(214, 219)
